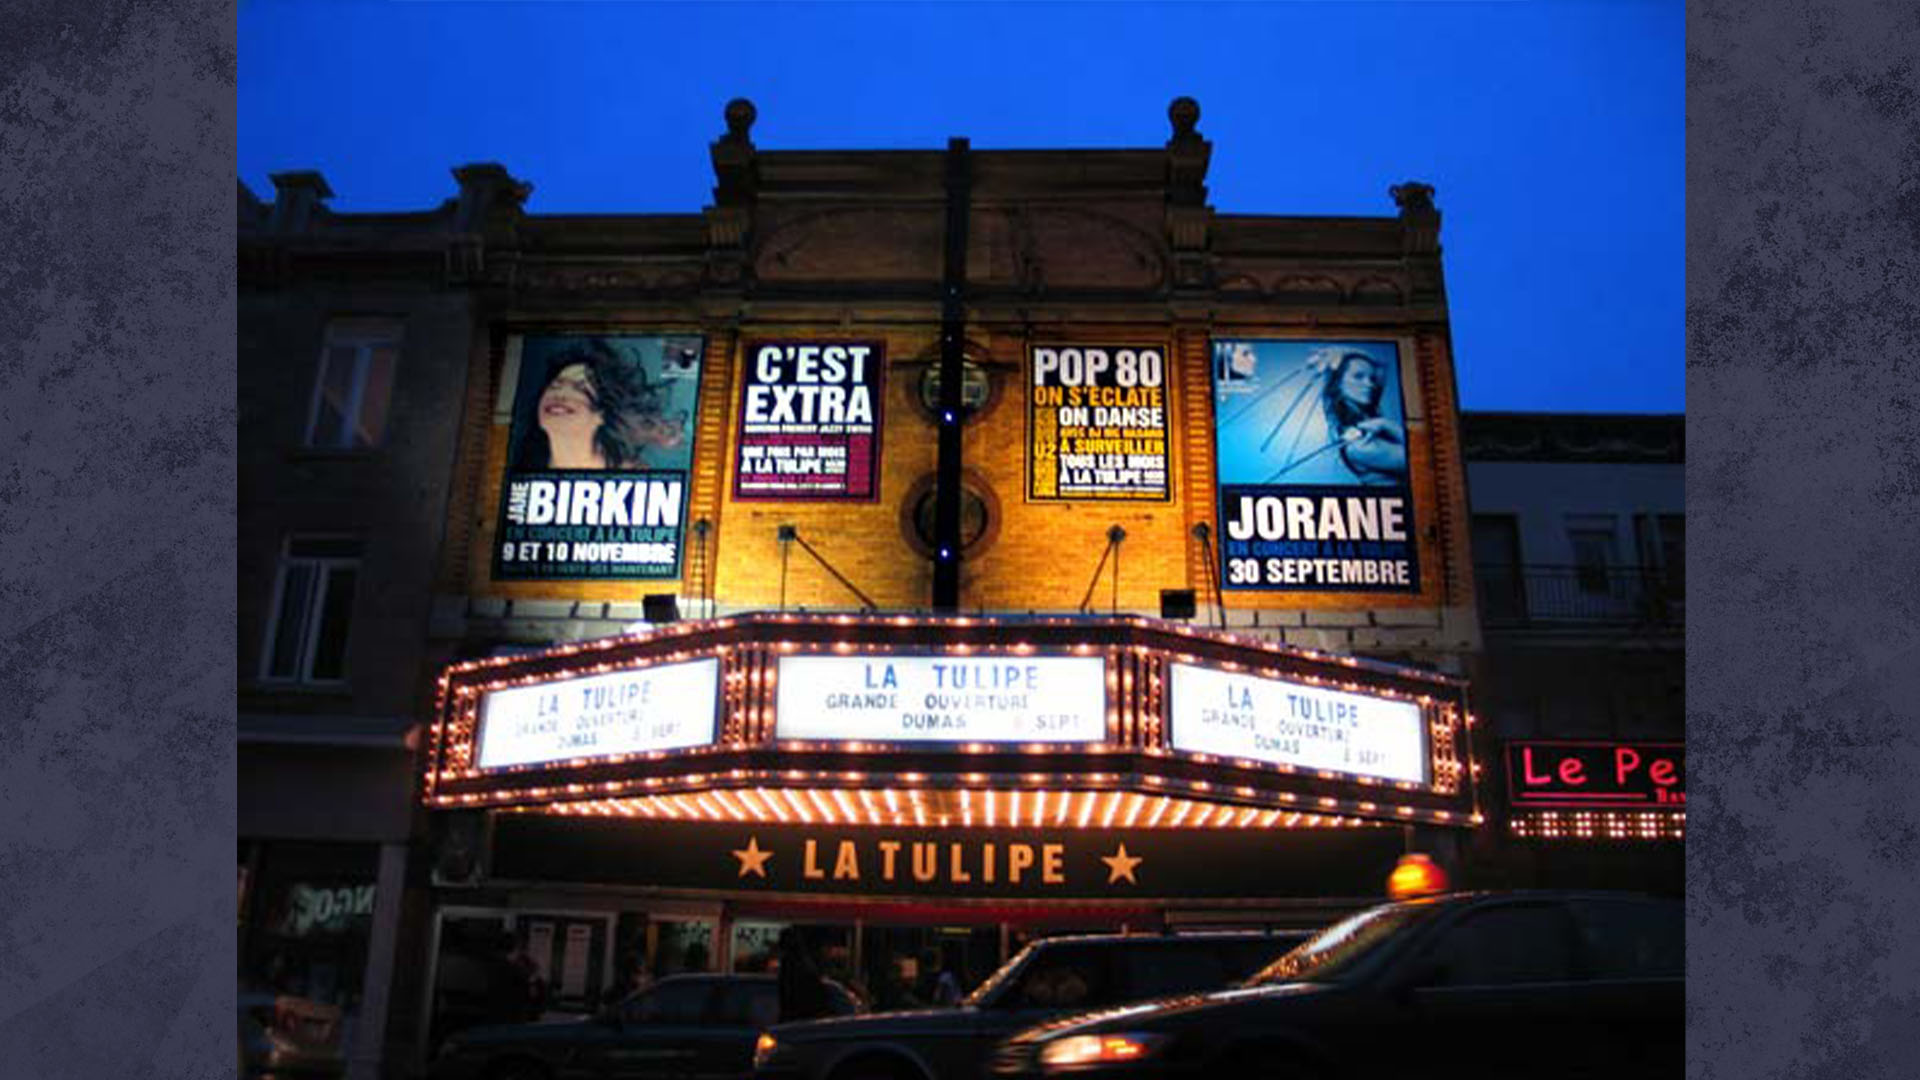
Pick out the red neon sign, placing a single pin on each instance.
(1597, 775)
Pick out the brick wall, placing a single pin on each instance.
(1037, 555)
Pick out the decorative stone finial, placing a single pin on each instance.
(1185, 114)
(493, 179)
(740, 117)
(1413, 197)
(297, 198)
(304, 181)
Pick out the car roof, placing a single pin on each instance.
(726, 976)
(1460, 900)
(1554, 894)
(715, 976)
(1167, 939)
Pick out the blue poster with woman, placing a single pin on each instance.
(598, 457)
(1311, 455)
(1304, 412)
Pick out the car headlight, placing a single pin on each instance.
(1109, 1049)
(765, 1048)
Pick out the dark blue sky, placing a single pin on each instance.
(1553, 129)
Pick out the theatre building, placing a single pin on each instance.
(927, 548)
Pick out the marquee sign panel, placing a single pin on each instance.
(1029, 863)
(984, 699)
(666, 707)
(1229, 714)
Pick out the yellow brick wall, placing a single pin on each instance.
(1038, 556)
(862, 540)
(1046, 552)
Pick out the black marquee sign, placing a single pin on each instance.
(1028, 863)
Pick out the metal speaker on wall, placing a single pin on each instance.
(658, 608)
(1176, 604)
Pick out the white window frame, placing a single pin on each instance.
(363, 336)
(309, 635)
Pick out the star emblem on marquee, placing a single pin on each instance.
(752, 859)
(1120, 865)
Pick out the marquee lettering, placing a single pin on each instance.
(962, 863)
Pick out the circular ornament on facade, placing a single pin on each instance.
(979, 515)
(976, 388)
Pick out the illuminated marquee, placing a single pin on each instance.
(898, 721)
(1285, 723)
(669, 707)
(979, 699)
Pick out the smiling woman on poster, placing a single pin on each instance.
(597, 409)
(1372, 446)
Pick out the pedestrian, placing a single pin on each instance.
(946, 982)
(803, 992)
(531, 988)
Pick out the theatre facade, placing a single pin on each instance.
(929, 548)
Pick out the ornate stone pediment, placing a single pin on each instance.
(869, 244)
(1315, 287)
(1057, 247)
(586, 279)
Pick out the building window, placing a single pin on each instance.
(1663, 547)
(1592, 538)
(1496, 563)
(303, 948)
(355, 385)
(312, 607)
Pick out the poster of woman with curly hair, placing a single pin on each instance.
(598, 457)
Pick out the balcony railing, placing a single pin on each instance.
(1537, 597)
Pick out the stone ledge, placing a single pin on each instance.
(1332, 641)
(1319, 618)
(540, 609)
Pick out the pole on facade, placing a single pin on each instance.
(788, 534)
(1205, 535)
(946, 514)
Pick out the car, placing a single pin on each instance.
(681, 1026)
(1047, 978)
(284, 1037)
(1532, 984)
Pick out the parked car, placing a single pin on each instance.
(1484, 985)
(1047, 978)
(682, 1026)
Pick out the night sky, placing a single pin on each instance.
(1552, 129)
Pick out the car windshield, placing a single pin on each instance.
(990, 989)
(1326, 955)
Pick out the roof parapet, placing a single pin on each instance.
(297, 196)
